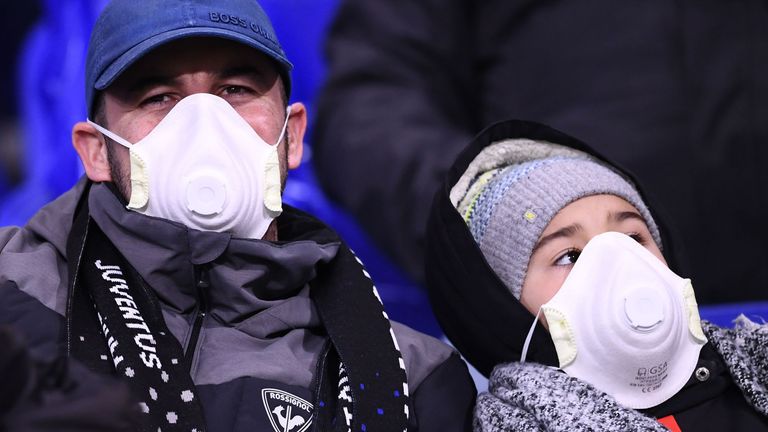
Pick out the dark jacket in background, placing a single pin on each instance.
(677, 92)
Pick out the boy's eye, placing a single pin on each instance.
(637, 237)
(568, 258)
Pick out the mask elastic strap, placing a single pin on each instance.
(285, 125)
(529, 337)
(114, 137)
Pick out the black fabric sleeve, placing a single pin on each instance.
(60, 395)
(39, 327)
(445, 400)
(396, 109)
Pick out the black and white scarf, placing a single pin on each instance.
(115, 325)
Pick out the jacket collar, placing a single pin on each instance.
(246, 276)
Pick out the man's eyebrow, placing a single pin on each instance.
(625, 215)
(144, 83)
(244, 70)
(568, 231)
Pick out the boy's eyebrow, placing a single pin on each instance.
(568, 231)
(624, 215)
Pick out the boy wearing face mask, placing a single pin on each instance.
(546, 265)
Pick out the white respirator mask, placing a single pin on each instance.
(625, 323)
(204, 166)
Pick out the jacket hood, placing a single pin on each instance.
(478, 313)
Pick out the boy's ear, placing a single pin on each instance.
(92, 149)
(297, 126)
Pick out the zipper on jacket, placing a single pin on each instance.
(202, 284)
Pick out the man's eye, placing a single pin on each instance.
(156, 99)
(568, 258)
(235, 90)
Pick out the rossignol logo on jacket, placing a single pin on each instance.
(286, 412)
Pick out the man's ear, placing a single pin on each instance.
(92, 148)
(297, 125)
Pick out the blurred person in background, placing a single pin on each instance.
(676, 92)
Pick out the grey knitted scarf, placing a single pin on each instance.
(533, 397)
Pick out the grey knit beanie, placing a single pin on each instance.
(513, 189)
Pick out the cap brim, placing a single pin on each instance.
(132, 55)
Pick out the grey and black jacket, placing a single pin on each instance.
(488, 325)
(251, 332)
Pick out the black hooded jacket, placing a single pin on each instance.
(489, 325)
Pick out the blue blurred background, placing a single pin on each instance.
(43, 45)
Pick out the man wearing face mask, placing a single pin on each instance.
(174, 265)
(547, 269)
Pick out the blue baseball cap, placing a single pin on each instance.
(127, 30)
